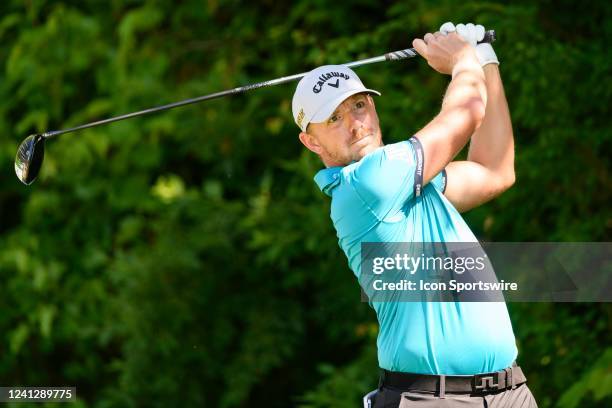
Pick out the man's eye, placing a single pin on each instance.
(333, 119)
(360, 104)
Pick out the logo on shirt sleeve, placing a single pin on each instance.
(399, 151)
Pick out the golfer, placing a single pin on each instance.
(430, 353)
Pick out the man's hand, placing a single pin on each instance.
(472, 34)
(444, 52)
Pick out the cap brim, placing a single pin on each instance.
(326, 110)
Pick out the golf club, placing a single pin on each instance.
(31, 151)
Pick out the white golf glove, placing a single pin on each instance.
(472, 34)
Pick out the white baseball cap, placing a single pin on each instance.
(319, 93)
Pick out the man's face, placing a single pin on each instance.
(350, 133)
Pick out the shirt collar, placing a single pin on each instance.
(327, 179)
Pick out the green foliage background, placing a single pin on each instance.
(187, 258)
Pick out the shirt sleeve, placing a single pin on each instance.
(385, 178)
(439, 182)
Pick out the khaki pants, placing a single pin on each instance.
(520, 397)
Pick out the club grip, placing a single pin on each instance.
(489, 37)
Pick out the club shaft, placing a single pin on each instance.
(391, 56)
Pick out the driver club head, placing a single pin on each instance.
(29, 158)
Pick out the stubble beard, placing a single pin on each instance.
(354, 155)
(374, 143)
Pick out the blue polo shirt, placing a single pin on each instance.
(380, 199)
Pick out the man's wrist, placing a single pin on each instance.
(466, 64)
(486, 54)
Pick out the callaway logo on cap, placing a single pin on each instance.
(320, 92)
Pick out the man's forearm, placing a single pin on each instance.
(468, 83)
(463, 107)
(492, 145)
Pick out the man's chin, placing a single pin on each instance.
(365, 150)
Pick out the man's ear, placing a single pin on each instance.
(310, 142)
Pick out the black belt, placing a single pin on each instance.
(478, 384)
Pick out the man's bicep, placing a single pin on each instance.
(469, 184)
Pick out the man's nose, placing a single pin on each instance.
(356, 124)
